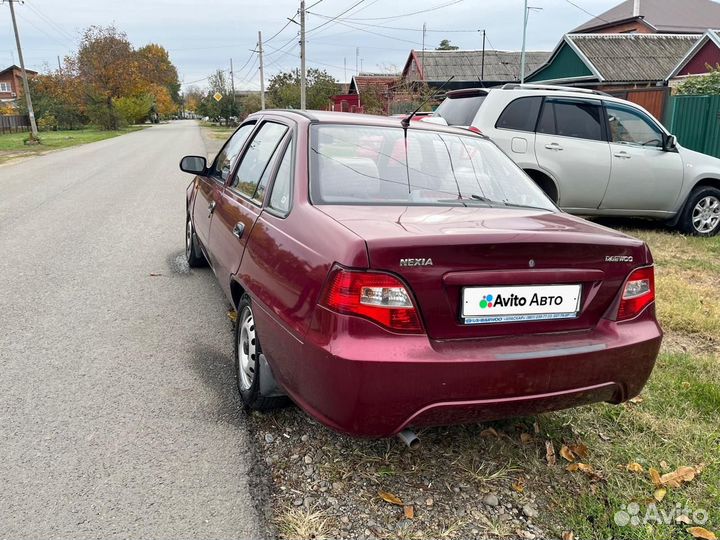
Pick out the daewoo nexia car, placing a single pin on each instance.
(392, 274)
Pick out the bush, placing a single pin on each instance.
(47, 123)
(134, 110)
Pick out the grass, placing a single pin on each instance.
(217, 131)
(674, 424)
(12, 145)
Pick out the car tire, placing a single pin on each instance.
(701, 215)
(193, 254)
(247, 361)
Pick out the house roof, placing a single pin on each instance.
(28, 71)
(710, 35)
(466, 65)
(364, 80)
(665, 16)
(626, 57)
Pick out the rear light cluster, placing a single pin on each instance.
(382, 298)
(639, 292)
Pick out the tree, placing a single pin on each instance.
(703, 85)
(223, 109)
(284, 89)
(373, 99)
(445, 45)
(156, 68)
(250, 104)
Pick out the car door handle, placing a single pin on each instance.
(211, 208)
(239, 229)
(622, 155)
(554, 146)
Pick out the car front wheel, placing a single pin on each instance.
(247, 361)
(701, 216)
(193, 254)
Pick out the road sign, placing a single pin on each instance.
(218, 96)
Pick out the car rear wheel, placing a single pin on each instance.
(701, 216)
(193, 254)
(248, 353)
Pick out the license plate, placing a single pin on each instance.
(482, 305)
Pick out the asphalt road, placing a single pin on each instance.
(118, 415)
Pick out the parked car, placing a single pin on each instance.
(593, 154)
(390, 274)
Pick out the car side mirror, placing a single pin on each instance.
(193, 165)
(670, 143)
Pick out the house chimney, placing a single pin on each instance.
(636, 8)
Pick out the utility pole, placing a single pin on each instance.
(262, 73)
(423, 43)
(345, 69)
(522, 54)
(303, 75)
(357, 60)
(26, 87)
(482, 65)
(232, 83)
(59, 67)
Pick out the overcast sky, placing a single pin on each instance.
(202, 35)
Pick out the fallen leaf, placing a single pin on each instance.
(155, 274)
(519, 485)
(409, 510)
(390, 498)
(685, 385)
(675, 478)
(603, 436)
(659, 494)
(636, 400)
(536, 428)
(699, 532)
(525, 438)
(573, 467)
(585, 468)
(683, 519)
(664, 466)
(655, 476)
(579, 450)
(489, 432)
(635, 467)
(566, 453)
(568, 535)
(232, 315)
(550, 453)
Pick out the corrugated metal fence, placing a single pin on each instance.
(14, 123)
(695, 120)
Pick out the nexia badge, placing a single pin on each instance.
(619, 258)
(416, 262)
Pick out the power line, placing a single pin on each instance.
(586, 11)
(368, 25)
(378, 33)
(336, 17)
(51, 23)
(451, 3)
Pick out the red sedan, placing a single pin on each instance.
(390, 274)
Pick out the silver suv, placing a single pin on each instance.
(593, 154)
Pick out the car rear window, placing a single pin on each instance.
(361, 165)
(460, 111)
(520, 114)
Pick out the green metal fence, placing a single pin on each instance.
(695, 120)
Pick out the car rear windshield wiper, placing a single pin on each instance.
(477, 197)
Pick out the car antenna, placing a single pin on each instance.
(406, 121)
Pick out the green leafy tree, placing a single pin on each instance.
(250, 104)
(218, 110)
(703, 85)
(445, 45)
(373, 99)
(284, 89)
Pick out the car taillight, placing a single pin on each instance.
(638, 293)
(475, 130)
(379, 297)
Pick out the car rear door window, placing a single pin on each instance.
(521, 114)
(281, 192)
(225, 160)
(460, 111)
(255, 164)
(632, 127)
(571, 118)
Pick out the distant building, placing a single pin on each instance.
(381, 84)
(655, 17)
(704, 55)
(11, 82)
(470, 68)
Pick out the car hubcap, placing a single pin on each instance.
(706, 214)
(247, 349)
(188, 238)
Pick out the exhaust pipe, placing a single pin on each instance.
(409, 438)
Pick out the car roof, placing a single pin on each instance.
(332, 117)
(530, 90)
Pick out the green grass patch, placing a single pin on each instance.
(14, 143)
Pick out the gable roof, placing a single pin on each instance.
(467, 65)
(14, 67)
(623, 57)
(665, 16)
(710, 35)
(364, 80)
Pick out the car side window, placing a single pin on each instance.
(632, 127)
(521, 114)
(257, 158)
(282, 188)
(225, 160)
(571, 118)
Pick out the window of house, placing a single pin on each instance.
(571, 118)
(632, 127)
(256, 162)
(5, 87)
(521, 114)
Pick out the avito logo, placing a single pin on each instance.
(487, 301)
(514, 300)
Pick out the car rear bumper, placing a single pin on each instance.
(366, 382)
